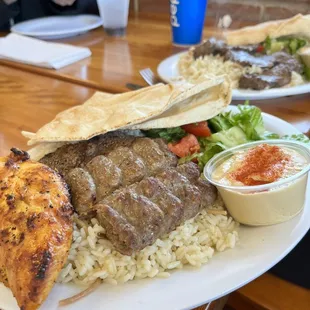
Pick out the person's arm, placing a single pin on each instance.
(7, 11)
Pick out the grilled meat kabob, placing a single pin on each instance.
(133, 186)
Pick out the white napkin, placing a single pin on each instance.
(39, 53)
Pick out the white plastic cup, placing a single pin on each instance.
(114, 15)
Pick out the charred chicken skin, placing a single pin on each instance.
(35, 228)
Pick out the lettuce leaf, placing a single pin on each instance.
(169, 134)
(209, 151)
(291, 45)
(249, 119)
(219, 123)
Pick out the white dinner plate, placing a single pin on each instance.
(168, 70)
(258, 249)
(57, 27)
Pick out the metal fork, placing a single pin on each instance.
(149, 76)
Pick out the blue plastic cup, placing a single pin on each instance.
(187, 20)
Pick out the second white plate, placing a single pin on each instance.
(168, 70)
(57, 27)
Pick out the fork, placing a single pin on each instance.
(149, 76)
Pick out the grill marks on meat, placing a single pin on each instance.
(139, 212)
(277, 68)
(135, 188)
(122, 166)
(181, 187)
(35, 228)
(171, 206)
(153, 207)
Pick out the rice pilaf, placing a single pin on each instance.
(194, 71)
(193, 243)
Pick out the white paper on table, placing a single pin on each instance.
(39, 53)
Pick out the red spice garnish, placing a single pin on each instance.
(262, 165)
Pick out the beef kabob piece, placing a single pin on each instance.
(277, 68)
(135, 189)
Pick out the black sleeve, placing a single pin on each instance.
(78, 7)
(6, 13)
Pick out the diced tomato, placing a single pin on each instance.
(200, 129)
(260, 49)
(186, 146)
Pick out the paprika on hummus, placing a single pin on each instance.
(262, 183)
(262, 164)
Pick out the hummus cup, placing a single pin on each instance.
(265, 204)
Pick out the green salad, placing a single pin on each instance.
(290, 45)
(222, 132)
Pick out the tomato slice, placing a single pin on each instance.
(186, 146)
(200, 129)
(260, 48)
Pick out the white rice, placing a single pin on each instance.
(195, 71)
(297, 79)
(193, 243)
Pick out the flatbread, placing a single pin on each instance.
(42, 149)
(298, 26)
(100, 114)
(199, 107)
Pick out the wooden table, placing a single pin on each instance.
(117, 61)
(30, 96)
(28, 101)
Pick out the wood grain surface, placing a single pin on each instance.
(269, 292)
(117, 61)
(28, 101)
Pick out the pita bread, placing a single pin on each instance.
(296, 26)
(42, 149)
(101, 114)
(200, 107)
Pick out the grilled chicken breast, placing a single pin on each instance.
(35, 228)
